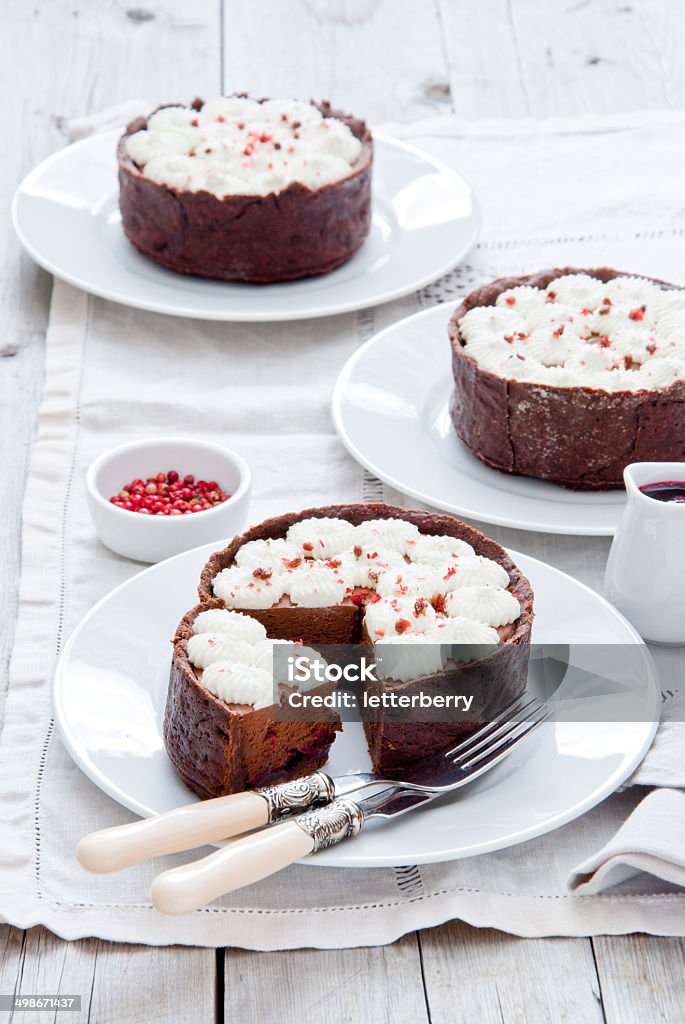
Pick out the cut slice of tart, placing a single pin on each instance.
(221, 727)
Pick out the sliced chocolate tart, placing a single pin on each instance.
(246, 190)
(439, 604)
(221, 729)
(569, 375)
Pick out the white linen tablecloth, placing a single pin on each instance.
(581, 192)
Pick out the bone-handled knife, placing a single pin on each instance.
(251, 858)
(209, 821)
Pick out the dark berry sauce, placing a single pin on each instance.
(666, 490)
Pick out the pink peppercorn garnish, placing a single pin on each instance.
(262, 574)
(169, 494)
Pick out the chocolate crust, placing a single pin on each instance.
(582, 437)
(299, 232)
(494, 680)
(220, 748)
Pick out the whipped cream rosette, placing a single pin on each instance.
(236, 683)
(249, 588)
(229, 623)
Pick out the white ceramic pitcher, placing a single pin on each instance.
(645, 574)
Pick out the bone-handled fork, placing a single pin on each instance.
(221, 818)
(251, 858)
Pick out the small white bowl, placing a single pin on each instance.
(153, 538)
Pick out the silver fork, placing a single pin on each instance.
(247, 859)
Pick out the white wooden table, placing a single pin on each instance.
(386, 59)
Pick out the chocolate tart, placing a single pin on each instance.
(295, 233)
(220, 748)
(580, 437)
(494, 680)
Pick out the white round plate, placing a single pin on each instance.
(110, 690)
(66, 213)
(391, 411)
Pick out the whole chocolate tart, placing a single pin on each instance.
(293, 232)
(394, 741)
(581, 437)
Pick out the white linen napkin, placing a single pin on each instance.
(586, 195)
(651, 841)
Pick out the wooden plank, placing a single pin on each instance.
(548, 57)
(485, 73)
(486, 976)
(381, 59)
(112, 52)
(601, 57)
(381, 983)
(11, 942)
(641, 978)
(118, 984)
